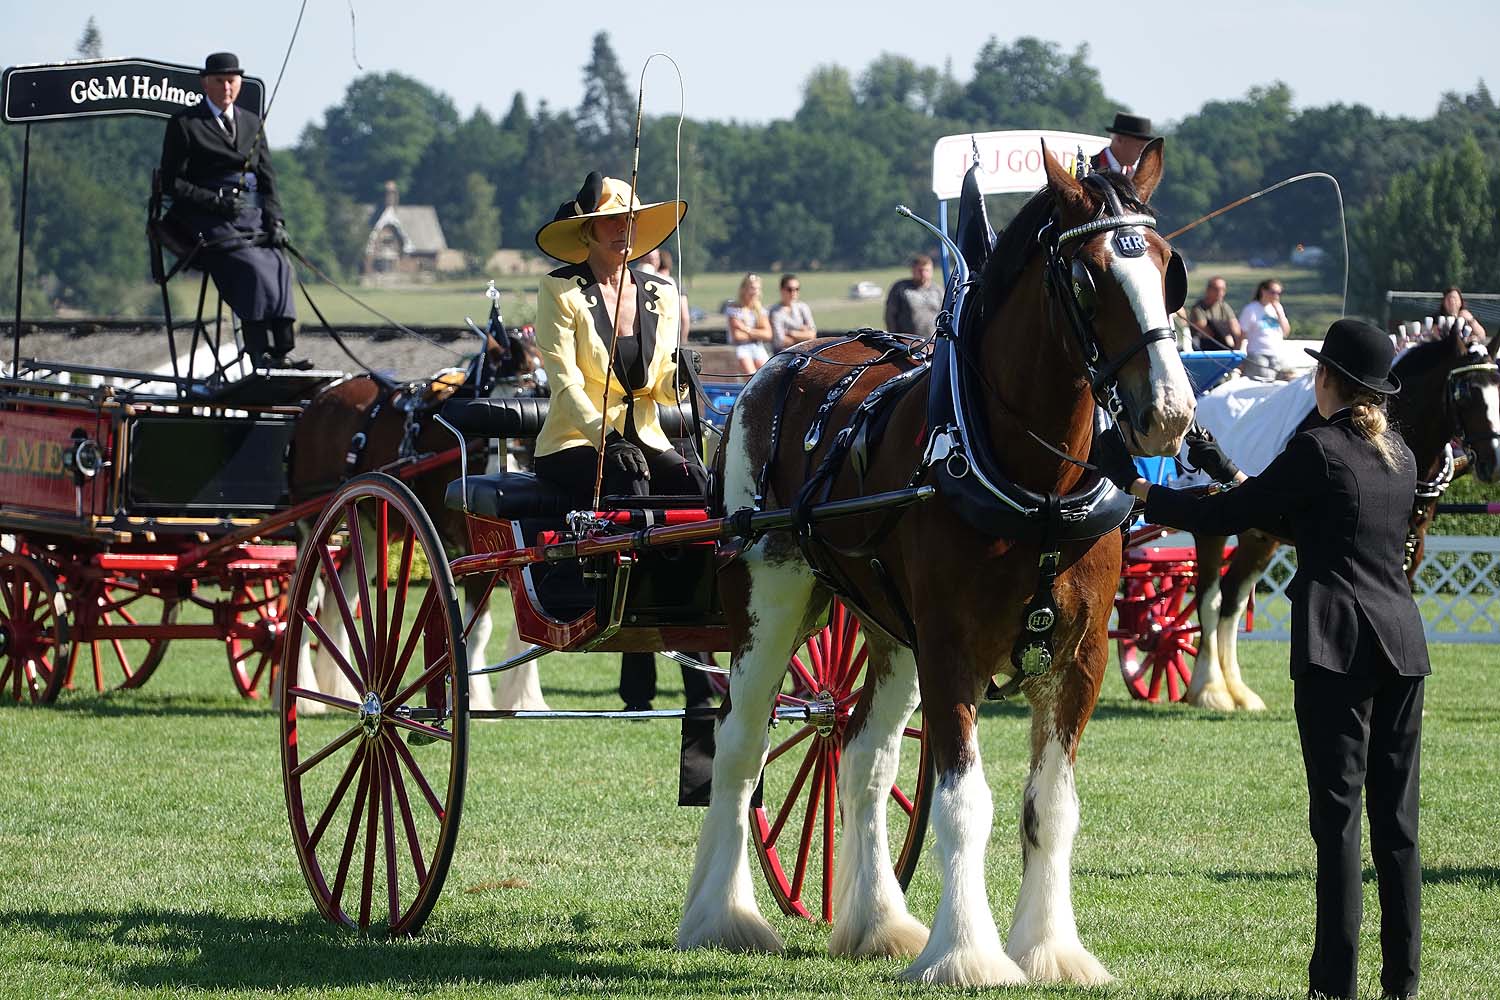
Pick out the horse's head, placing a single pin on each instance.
(1117, 282)
(1449, 389)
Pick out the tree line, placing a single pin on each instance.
(813, 191)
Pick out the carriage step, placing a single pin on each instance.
(419, 739)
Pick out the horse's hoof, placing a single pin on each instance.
(965, 967)
(736, 930)
(1214, 697)
(1058, 962)
(1248, 700)
(899, 936)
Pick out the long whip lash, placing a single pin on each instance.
(630, 214)
(1338, 192)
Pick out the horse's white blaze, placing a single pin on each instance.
(1044, 935)
(870, 915)
(1171, 393)
(721, 910)
(964, 946)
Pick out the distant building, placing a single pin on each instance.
(406, 242)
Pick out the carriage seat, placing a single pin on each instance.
(510, 496)
(521, 417)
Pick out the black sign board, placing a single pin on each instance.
(90, 87)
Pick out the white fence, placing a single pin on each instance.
(1457, 588)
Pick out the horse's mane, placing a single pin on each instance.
(1017, 241)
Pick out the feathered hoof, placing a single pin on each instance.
(734, 929)
(965, 967)
(1248, 700)
(1063, 963)
(900, 936)
(1214, 697)
(306, 707)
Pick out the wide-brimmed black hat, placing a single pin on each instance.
(1362, 352)
(221, 64)
(1132, 125)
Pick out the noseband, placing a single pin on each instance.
(1071, 286)
(1455, 385)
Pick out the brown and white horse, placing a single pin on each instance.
(1447, 391)
(362, 424)
(962, 590)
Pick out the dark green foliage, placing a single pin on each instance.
(818, 189)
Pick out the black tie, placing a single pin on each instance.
(229, 127)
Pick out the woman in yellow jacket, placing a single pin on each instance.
(584, 308)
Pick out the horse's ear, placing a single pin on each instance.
(1148, 169)
(1066, 189)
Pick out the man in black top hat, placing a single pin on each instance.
(1128, 137)
(216, 168)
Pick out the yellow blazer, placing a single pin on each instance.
(573, 334)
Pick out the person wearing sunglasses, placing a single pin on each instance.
(1266, 327)
(791, 318)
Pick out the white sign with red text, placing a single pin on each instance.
(1009, 162)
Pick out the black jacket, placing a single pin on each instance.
(1347, 514)
(196, 155)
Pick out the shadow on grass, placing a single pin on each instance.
(128, 705)
(1016, 708)
(168, 949)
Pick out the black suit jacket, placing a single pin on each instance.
(196, 154)
(1347, 514)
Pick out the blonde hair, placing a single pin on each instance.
(1368, 416)
(745, 285)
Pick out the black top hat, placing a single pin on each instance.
(1360, 351)
(1132, 125)
(221, 63)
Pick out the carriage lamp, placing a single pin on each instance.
(85, 459)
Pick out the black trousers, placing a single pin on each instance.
(1363, 731)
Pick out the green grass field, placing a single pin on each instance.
(1308, 301)
(146, 853)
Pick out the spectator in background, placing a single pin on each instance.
(913, 304)
(1453, 305)
(1266, 328)
(1215, 326)
(659, 262)
(1128, 137)
(749, 326)
(791, 318)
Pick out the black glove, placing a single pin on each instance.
(1113, 458)
(227, 205)
(1204, 452)
(276, 235)
(625, 457)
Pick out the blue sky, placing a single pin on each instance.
(748, 62)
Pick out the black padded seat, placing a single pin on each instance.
(521, 417)
(510, 496)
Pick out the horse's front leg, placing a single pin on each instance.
(1251, 557)
(767, 601)
(871, 916)
(1044, 935)
(964, 947)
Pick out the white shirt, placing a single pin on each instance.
(220, 115)
(1262, 329)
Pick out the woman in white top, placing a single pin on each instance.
(1265, 326)
(749, 326)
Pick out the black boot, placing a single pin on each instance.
(257, 341)
(281, 329)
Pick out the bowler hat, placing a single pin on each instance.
(599, 197)
(1132, 125)
(221, 64)
(1360, 351)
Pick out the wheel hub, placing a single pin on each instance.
(822, 713)
(369, 715)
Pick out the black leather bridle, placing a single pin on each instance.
(1456, 385)
(1071, 286)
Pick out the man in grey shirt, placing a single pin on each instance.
(913, 304)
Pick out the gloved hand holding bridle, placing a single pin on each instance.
(1205, 454)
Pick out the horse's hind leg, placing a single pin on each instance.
(1044, 935)
(1207, 689)
(1252, 556)
(872, 918)
(773, 608)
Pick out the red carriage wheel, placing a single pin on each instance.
(255, 625)
(113, 662)
(793, 828)
(374, 788)
(1158, 631)
(33, 631)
